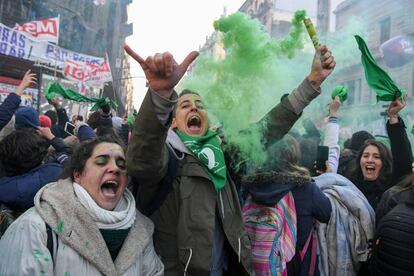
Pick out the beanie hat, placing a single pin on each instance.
(84, 132)
(45, 121)
(358, 139)
(26, 117)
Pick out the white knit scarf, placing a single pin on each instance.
(122, 217)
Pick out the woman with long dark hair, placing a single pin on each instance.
(377, 169)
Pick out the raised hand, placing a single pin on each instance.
(322, 66)
(55, 102)
(395, 107)
(334, 106)
(162, 71)
(45, 132)
(29, 78)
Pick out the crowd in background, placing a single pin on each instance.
(114, 197)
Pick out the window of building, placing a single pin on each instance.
(385, 30)
(351, 92)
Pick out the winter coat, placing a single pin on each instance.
(79, 248)
(8, 108)
(18, 192)
(187, 222)
(392, 197)
(343, 243)
(310, 204)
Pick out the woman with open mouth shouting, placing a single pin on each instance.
(378, 169)
(86, 224)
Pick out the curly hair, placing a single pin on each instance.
(84, 151)
(21, 151)
(386, 158)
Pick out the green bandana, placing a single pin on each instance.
(54, 88)
(208, 151)
(340, 91)
(378, 79)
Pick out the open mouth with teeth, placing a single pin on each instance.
(194, 123)
(109, 188)
(371, 172)
(370, 169)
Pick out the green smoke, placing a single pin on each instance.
(347, 56)
(242, 87)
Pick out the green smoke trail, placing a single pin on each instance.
(347, 57)
(242, 87)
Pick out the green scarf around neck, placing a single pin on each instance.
(208, 151)
(377, 79)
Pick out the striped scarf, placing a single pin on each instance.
(272, 231)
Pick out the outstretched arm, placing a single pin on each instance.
(147, 156)
(12, 102)
(332, 135)
(282, 117)
(400, 145)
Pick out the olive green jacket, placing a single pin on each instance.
(184, 223)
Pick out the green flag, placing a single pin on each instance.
(54, 88)
(378, 79)
(340, 91)
(208, 151)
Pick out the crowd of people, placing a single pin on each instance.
(167, 195)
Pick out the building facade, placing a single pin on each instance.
(96, 28)
(384, 20)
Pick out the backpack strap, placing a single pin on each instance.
(50, 243)
(311, 238)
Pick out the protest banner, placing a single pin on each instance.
(76, 66)
(42, 30)
(14, 43)
(91, 74)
